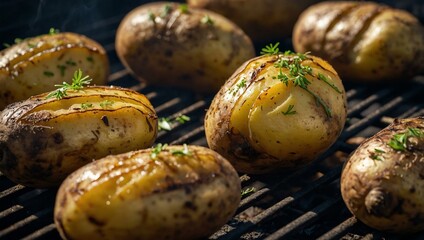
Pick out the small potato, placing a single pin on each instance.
(36, 64)
(382, 182)
(43, 140)
(267, 116)
(166, 44)
(364, 41)
(182, 192)
(262, 20)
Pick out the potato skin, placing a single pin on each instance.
(135, 196)
(36, 64)
(364, 41)
(173, 48)
(43, 140)
(247, 125)
(387, 192)
(262, 20)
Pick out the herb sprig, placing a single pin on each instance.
(289, 110)
(399, 141)
(78, 83)
(161, 147)
(247, 191)
(297, 73)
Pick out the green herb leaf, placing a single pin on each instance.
(157, 149)
(86, 105)
(166, 10)
(182, 119)
(62, 69)
(78, 82)
(164, 124)
(289, 110)
(398, 141)
(152, 16)
(207, 20)
(184, 152)
(271, 49)
(325, 79)
(183, 8)
(90, 59)
(106, 103)
(247, 191)
(53, 31)
(71, 63)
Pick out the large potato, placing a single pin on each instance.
(167, 44)
(42, 140)
(262, 20)
(364, 41)
(382, 182)
(36, 64)
(261, 122)
(180, 192)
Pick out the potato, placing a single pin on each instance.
(364, 41)
(382, 181)
(42, 140)
(179, 192)
(36, 64)
(262, 20)
(167, 44)
(266, 117)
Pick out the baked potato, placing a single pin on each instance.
(364, 41)
(174, 192)
(168, 44)
(262, 20)
(276, 111)
(42, 140)
(382, 181)
(36, 64)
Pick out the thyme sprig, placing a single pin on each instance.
(271, 49)
(161, 147)
(78, 83)
(297, 72)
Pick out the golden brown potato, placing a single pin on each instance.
(382, 182)
(168, 44)
(267, 117)
(262, 20)
(36, 64)
(178, 192)
(364, 41)
(42, 140)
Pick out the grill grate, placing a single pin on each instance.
(299, 204)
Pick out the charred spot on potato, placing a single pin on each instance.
(57, 138)
(95, 221)
(190, 205)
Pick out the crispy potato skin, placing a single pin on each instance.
(364, 41)
(387, 193)
(36, 64)
(44, 140)
(133, 196)
(247, 125)
(262, 20)
(173, 48)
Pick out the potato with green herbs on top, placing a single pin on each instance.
(168, 44)
(382, 181)
(43, 140)
(262, 20)
(277, 111)
(364, 41)
(173, 192)
(36, 64)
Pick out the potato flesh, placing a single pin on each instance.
(178, 197)
(37, 64)
(251, 118)
(50, 138)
